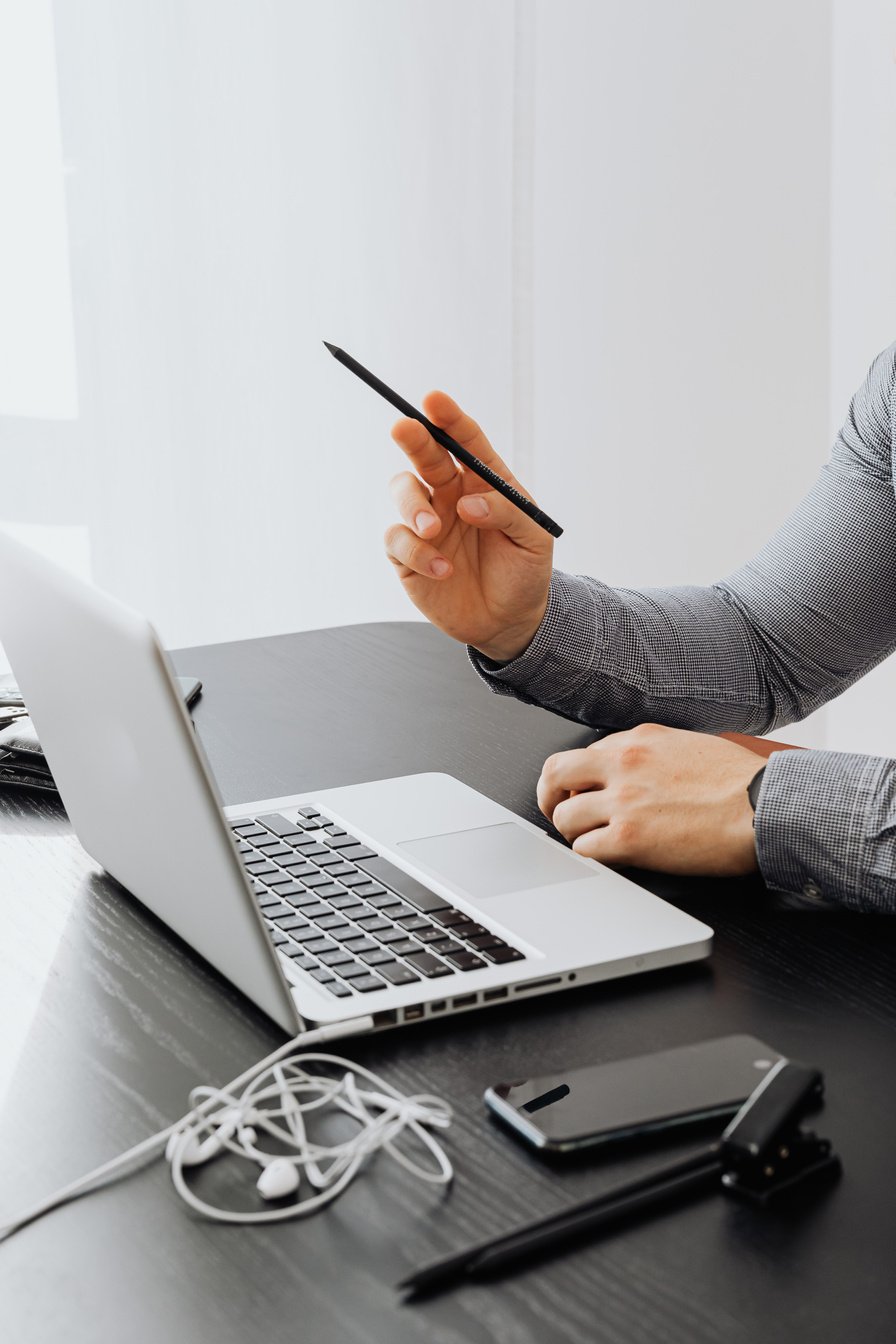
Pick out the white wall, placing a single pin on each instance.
(604, 224)
(863, 280)
(681, 279)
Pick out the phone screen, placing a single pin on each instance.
(628, 1097)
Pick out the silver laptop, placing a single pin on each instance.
(400, 900)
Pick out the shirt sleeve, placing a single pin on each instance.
(794, 627)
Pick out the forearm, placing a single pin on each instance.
(685, 657)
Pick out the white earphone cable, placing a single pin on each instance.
(227, 1119)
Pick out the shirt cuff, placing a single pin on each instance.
(565, 650)
(815, 828)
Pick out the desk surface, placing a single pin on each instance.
(108, 1020)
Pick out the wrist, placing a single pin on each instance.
(514, 641)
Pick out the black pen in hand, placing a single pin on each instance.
(445, 440)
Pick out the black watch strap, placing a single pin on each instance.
(754, 786)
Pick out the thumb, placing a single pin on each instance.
(492, 512)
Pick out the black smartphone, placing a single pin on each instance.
(627, 1098)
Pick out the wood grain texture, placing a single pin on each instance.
(109, 1020)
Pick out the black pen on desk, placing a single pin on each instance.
(456, 449)
(489, 1259)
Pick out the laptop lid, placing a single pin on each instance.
(130, 768)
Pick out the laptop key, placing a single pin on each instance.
(334, 958)
(292, 892)
(278, 879)
(354, 971)
(412, 922)
(500, 955)
(357, 879)
(398, 974)
(366, 984)
(299, 867)
(295, 921)
(359, 945)
(329, 891)
(278, 911)
(346, 901)
(328, 861)
(381, 902)
(316, 879)
(309, 812)
(373, 923)
(272, 821)
(321, 973)
(483, 940)
(392, 936)
(468, 929)
(341, 869)
(370, 889)
(338, 988)
(448, 917)
(319, 944)
(277, 937)
(357, 852)
(334, 925)
(430, 935)
(380, 956)
(404, 948)
(414, 892)
(428, 965)
(445, 945)
(465, 961)
(312, 911)
(299, 957)
(308, 933)
(340, 839)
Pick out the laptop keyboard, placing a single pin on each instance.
(349, 917)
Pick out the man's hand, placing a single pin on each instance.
(657, 798)
(475, 565)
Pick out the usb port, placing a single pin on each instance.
(491, 994)
(465, 1001)
(411, 1014)
(438, 1007)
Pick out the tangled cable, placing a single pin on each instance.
(276, 1104)
(227, 1119)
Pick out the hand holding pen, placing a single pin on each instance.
(469, 558)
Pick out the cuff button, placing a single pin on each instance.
(812, 890)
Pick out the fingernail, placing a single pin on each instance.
(424, 520)
(440, 568)
(476, 505)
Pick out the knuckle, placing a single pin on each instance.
(626, 837)
(550, 767)
(632, 753)
(391, 537)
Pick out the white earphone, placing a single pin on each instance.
(277, 1104)
(278, 1094)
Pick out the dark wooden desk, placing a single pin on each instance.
(108, 1020)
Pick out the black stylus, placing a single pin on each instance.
(695, 1175)
(456, 449)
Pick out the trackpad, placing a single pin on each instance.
(493, 860)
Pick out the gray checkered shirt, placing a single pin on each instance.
(814, 611)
